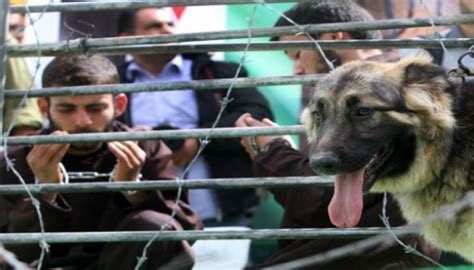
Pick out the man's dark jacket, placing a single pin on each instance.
(226, 157)
(82, 212)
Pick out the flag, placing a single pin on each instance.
(284, 100)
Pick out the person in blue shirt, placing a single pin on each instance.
(189, 109)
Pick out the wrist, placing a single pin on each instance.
(270, 143)
(61, 177)
(129, 192)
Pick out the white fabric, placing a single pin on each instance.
(221, 254)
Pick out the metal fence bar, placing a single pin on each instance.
(224, 183)
(79, 44)
(23, 51)
(90, 237)
(96, 6)
(159, 134)
(165, 86)
(3, 35)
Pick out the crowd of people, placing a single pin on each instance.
(122, 161)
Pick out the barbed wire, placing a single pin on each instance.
(204, 142)
(9, 162)
(328, 62)
(407, 248)
(11, 259)
(435, 33)
(447, 212)
(225, 101)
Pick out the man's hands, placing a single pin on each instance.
(130, 160)
(246, 120)
(44, 163)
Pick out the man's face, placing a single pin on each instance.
(81, 114)
(16, 25)
(154, 21)
(307, 61)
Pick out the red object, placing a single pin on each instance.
(178, 11)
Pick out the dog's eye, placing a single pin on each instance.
(364, 111)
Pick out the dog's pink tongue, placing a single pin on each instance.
(346, 204)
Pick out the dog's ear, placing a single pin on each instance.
(418, 69)
(423, 73)
(426, 90)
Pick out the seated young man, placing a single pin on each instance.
(105, 211)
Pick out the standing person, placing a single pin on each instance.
(123, 161)
(29, 118)
(17, 76)
(274, 156)
(17, 22)
(189, 109)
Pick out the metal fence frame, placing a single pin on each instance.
(101, 46)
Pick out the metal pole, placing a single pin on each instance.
(91, 237)
(78, 44)
(159, 134)
(3, 34)
(96, 6)
(201, 85)
(30, 50)
(224, 183)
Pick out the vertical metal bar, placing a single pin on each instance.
(4, 5)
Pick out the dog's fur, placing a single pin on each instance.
(426, 121)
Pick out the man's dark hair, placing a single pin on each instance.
(329, 11)
(80, 70)
(126, 22)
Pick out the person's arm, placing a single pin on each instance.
(158, 165)
(277, 157)
(241, 101)
(17, 213)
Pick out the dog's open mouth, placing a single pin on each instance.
(345, 208)
(372, 169)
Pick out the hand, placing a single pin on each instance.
(246, 120)
(44, 161)
(130, 160)
(186, 153)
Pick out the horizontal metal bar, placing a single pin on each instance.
(269, 182)
(164, 86)
(153, 135)
(96, 6)
(142, 236)
(83, 45)
(22, 51)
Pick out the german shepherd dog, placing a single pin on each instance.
(406, 128)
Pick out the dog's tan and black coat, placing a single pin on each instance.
(404, 128)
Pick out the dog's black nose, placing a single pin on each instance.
(324, 162)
